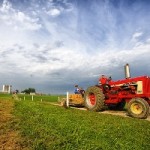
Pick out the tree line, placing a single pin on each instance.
(26, 91)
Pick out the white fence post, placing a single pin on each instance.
(32, 97)
(67, 101)
(58, 99)
(24, 98)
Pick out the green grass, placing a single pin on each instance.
(46, 98)
(5, 96)
(49, 98)
(47, 127)
(51, 127)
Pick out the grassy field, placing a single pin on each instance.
(5, 96)
(48, 98)
(46, 127)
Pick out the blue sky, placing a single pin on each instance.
(51, 45)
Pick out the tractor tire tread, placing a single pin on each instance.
(145, 112)
(99, 98)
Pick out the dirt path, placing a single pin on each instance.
(117, 113)
(114, 112)
(111, 112)
(9, 137)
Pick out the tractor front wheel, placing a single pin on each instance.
(94, 99)
(138, 108)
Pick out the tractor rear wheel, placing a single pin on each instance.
(94, 99)
(138, 108)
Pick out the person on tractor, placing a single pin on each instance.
(104, 82)
(77, 89)
(82, 92)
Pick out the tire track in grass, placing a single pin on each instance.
(9, 137)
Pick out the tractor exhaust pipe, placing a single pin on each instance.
(127, 71)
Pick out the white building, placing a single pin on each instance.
(7, 89)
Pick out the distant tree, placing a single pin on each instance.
(29, 90)
(17, 91)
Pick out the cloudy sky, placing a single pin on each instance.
(51, 45)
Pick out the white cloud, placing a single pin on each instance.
(71, 59)
(54, 12)
(17, 19)
(54, 9)
(136, 36)
(6, 6)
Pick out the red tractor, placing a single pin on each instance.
(134, 92)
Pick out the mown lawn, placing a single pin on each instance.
(48, 98)
(48, 127)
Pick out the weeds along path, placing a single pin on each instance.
(9, 137)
